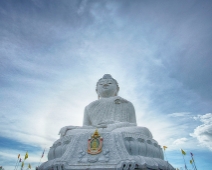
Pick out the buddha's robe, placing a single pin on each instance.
(108, 111)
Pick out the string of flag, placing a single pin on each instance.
(19, 160)
(164, 148)
(192, 161)
(26, 156)
(184, 153)
(41, 156)
(20, 163)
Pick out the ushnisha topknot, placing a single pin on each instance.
(107, 76)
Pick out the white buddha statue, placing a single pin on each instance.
(119, 142)
(109, 111)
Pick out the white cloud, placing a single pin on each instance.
(180, 141)
(203, 133)
(180, 114)
(55, 70)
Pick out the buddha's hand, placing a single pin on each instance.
(101, 126)
(65, 129)
(104, 124)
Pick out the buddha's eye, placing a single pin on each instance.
(109, 83)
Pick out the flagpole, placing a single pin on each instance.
(164, 148)
(26, 156)
(166, 159)
(16, 163)
(42, 156)
(193, 166)
(23, 165)
(183, 152)
(185, 162)
(39, 162)
(193, 161)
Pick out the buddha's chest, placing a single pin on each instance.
(108, 111)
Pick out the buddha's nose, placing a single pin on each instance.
(105, 85)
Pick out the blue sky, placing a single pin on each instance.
(53, 52)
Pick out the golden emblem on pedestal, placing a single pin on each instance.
(95, 143)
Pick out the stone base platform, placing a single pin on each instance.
(122, 149)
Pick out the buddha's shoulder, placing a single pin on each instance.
(94, 103)
(119, 100)
(111, 100)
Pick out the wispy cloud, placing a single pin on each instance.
(181, 114)
(52, 55)
(180, 141)
(203, 133)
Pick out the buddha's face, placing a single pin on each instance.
(107, 88)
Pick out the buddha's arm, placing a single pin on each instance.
(64, 129)
(86, 124)
(86, 120)
(132, 117)
(116, 125)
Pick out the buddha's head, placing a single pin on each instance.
(107, 87)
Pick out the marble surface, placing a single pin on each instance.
(124, 144)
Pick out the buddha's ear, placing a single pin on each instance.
(98, 94)
(117, 91)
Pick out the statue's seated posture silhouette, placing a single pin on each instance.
(118, 142)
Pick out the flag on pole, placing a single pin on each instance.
(22, 165)
(164, 147)
(29, 166)
(20, 160)
(18, 156)
(26, 156)
(191, 161)
(43, 153)
(183, 152)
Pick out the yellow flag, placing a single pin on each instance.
(29, 166)
(164, 147)
(22, 164)
(191, 161)
(26, 156)
(18, 156)
(183, 152)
